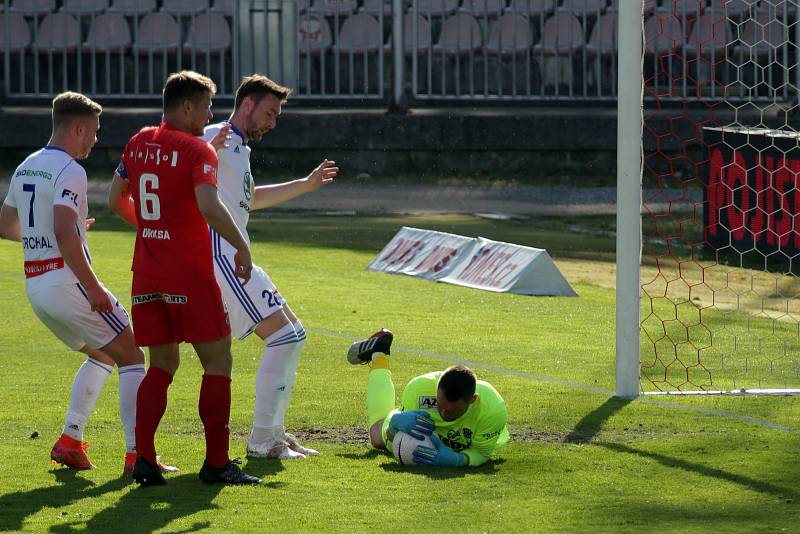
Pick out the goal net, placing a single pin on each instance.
(720, 196)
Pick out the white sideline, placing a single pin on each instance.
(574, 385)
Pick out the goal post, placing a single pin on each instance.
(708, 197)
(629, 198)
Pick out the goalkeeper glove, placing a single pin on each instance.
(415, 423)
(441, 456)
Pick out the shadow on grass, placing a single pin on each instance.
(152, 508)
(72, 487)
(700, 469)
(591, 424)
(264, 467)
(443, 473)
(364, 455)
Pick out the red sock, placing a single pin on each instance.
(215, 412)
(151, 403)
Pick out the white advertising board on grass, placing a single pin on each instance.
(471, 262)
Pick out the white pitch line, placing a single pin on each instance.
(766, 423)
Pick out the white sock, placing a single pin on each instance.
(88, 383)
(291, 374)
(271, 380)
(130, 376)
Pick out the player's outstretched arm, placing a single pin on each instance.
(218, 218)
(9, 223)
(120, 201)
(266, 196)
(65, 221)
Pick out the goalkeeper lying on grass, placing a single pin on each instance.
(465, 417)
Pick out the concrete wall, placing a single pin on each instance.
(508, 141)
(451, 141)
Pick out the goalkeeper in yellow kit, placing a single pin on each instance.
(465, 417)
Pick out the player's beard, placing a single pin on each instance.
(256, 135)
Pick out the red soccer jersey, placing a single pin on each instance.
(163, 165)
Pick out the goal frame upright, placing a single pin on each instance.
(629, 198)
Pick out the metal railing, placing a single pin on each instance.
(122, 50)
(400, 50)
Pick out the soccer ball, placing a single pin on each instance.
(403, 447)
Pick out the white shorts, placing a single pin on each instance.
(65, 310)
(247, 304)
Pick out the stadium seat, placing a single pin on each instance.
(763, 36)
(226, 7)
(686, 9)
(58, 32)
(132, 7)
(109, 32)
(732, 9)
(360, 33)
(710, 35)
(184, 7)
(461, 34)
(709, 38)
(583, 8)
(662, 34)
(314, 35)
(333, 8)
(531, 8)
(157, 32)
(510, 35)
(778, 7)
(84, 7)
(483, 8)
(603, 39)
(562, 36)
(209, 33)
(602, 45)
(376, 7)
(33, 7)
(302, 5)
(435, 7)
(18, 36)
(418, 41)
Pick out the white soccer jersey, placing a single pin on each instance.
(47, 178)
(234, 183)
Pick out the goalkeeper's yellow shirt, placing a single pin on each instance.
(478, 432)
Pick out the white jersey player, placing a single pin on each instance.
(258, 306)
(46, 209)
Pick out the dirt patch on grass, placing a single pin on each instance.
(346, 435)
(360, 436)
(343, 436)
(530, 435)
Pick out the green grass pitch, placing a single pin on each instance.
(579, 460)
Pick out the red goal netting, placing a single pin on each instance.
(721, 196)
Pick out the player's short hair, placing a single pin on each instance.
(458, 383)
(69, 106)
(186, 85)
(257, 87)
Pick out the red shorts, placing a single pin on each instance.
(173, 311)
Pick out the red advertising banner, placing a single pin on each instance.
(752, 196)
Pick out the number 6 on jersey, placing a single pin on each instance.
(148, 202)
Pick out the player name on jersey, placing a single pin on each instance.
(151, 233)
(472, 262)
